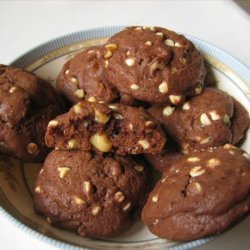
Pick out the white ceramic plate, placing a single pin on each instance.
(16, 178)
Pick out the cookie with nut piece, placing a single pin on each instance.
(203, 121)
(106, 128)
(92, 195)
(84, 78)
(27, 103)
(203, 193)
(155, 65)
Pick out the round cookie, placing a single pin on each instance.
(240, 122)
(155, 65)
(107, 128)
(93, 195)
(83, 77)
(204, 193)
(202, 122)
(27, 104)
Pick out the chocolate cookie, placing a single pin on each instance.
(106, 128)
(83, 77)
(155, 65)
(92, 195)
(164, 160)
(204, 193)
(27, 104)
(240, 122)
(202, 122)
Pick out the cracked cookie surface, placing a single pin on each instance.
(107, 128)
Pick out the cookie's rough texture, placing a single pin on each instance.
(84, 78)
(202, 122)
(106, 128)
(240, 122)
(27, 103)
(202, 194)
(89, 194)
(162, 162)
(155, 65)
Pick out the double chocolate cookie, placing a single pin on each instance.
(204, 193)
(27, 104)
(84, 78)
(208, 120)
(107, 128)
(154, 65)
(98, 196)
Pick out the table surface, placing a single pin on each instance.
(26, 24)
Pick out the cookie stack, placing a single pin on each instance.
(137, 104)
(142, 96)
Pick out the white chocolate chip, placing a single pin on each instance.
(127, 206)
(138, 28)
(12, 90)
(110, 48)
(226, 119)
(229, 146)
(113, 107)
(79, 93)
(186, 106)
(156, 66)
(149, 43)
(144, 144)
(163, 87)
(169, 42)
(205, 140)
(175, 99)
(106, 63)
(72, 143)
(130, 62)
(32, 148)
(130, 126)
(78, 108)
(100, 117)
(63, 171)
(134, 86)
(163, 180)
(118, 116)
(95, 210)
(197, 171)
(152, 28)
(214, 116)
(139, 168)
(167, 111)
(213, 162)
(159, 34)
(155, 198)
(87, 188)
(73, 79)
(194, 188)
(156, 221)
(101, 142)
(193, 159)
(66, 72)
(90, 51)
(92, 99)
(246, 155)
(204, 119)
(78, 200)
(38, 190)
(53, 123)
(198, 89)
(178, 45)
(119, 196)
